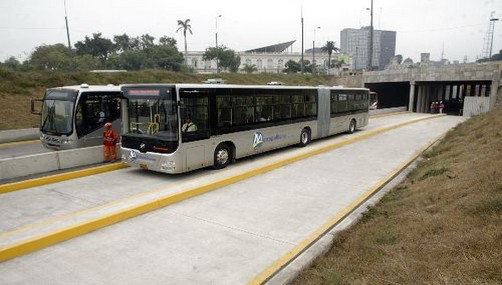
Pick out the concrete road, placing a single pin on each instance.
(227, 236)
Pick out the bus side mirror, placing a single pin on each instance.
(36, 106)
(181, 104)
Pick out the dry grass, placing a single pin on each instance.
(442, 225)
(18, 88)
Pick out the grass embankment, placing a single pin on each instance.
(442, 225)
(17, 89)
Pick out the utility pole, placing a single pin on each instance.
(302, 69)
(313, 52)
(217, 50)
(67, 28)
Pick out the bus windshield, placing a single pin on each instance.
(153, 116)
(57, 112)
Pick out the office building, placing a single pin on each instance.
(355, 43)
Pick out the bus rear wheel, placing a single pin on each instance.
(304, 137)
(222, 156)
(352, 126)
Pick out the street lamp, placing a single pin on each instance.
(217, 51)
(313, 51)
(370, 57)
(492, 23)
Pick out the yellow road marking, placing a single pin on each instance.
(14, 186)
(19, 143)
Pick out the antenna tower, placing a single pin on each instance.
(488, 38)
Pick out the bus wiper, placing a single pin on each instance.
(50, 119)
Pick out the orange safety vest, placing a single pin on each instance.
(110, 137)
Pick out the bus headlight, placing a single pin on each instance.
(67, 141)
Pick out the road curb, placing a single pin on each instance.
(15, 186)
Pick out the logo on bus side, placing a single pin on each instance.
(259, 139)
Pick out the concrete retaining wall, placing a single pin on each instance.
(46, 162)
(18, 135)
(474, 106)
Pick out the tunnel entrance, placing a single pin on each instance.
(451, 93)
(391, 94)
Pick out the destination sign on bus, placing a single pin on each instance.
(143, 92)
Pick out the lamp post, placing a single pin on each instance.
(313, 51)
(217, 51)
(492, 23)
(370, 52)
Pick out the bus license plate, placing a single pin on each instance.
(143, 166)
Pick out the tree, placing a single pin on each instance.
(228, 59)
(146, 41)
(122, 42)
(129, 60)
(96, 46)
(295, 67)
(167, 41)
(330, 47)
(495, 57)
(185, 26)
(399, 59)
(50, 57)
(86, 62)
(249, 68)
(165, 57)
(11, 63)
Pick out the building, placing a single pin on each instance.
(355, 43)
(270, 59)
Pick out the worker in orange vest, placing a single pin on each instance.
(110, 140)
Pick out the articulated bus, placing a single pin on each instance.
(73, 116)
(174, 128)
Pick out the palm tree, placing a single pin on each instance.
(249, 68)
(186, 27)
(330, 47)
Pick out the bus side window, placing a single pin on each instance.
(196, 108)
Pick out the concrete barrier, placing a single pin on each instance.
(388, 110)
(21, 166)
(18, 135)
(28, 165)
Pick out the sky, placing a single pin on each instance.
(456, 29)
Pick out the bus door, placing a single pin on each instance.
(92, 112)
(195, 130)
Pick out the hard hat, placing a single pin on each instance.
(108, 125)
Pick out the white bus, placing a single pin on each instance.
(73, 116)
(228, 122)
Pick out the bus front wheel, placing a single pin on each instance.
(304, 137)
(222, 156)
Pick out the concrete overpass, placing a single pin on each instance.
(467, 89)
